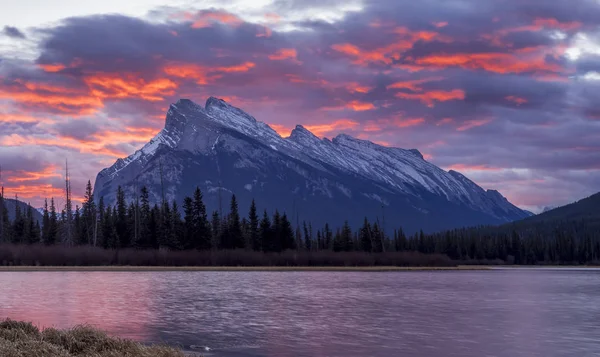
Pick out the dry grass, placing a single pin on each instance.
(22, 339)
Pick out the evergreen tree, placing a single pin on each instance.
(77, 226)
(266, 233)
(99, 239)
(147, 223)
(189, 228)
(88, 216)
(176, 227)
(307, 238)
(121, 226)
(287, 234)
(328, 237)
(366, 237)
(45, 222)
(216, 229)
(52, 236)
(276, 234)
(202, 231)
(18, 227)
(253, 228)
(236, 239)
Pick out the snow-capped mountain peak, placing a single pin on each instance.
(328, 166)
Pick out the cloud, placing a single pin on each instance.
(507, 85)
(13, 32)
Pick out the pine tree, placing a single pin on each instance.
(18, 227)
(176, 227)
(366, 237)
(378, 239)
(202, 234)
(99, 237)
(45, 222)
(216, 229)
(236, 239)
(266, 233)
(33, 232)
(328, 237)
(253, 228)
(52, 225)
(307, 238)
(189, 228)
(276, 233)
(121, 226)
(146, 224)
(88, 216)
(77, 226)
(287, 234)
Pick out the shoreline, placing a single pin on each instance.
(113, 268)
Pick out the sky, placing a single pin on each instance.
(504, 91)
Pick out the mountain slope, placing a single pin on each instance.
(587, 209)
(10, 206)
(224, 150)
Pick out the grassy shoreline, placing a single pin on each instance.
(232, 268)
(24, 339)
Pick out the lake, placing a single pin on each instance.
(511, 312)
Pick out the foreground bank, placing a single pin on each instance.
(24, 339)
(42, 255)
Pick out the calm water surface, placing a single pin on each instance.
(455, 313)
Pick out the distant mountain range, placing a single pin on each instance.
(587, 209)
(224, 150)
(10, 205)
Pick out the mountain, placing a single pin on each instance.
(585, 210)
(224, 150)
(10, 205)
(548, 208)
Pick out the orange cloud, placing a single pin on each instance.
(82, 146)
(208, 18)
(440, 24)
(406, 123)
(340, 124)
(354, 105)
(21, 118)
(386, 55)
(398, 122)
(492, 62)
(110, 86)
(52, 68)
(436, 95)
(41, 95)
(32, 191)
(517, 100)
(203, 75)
(357, 88)
(26, 176)
(187, 71)
(284, 53)
(244, 67)
(282, 130)
(470, 124)
(413, 84)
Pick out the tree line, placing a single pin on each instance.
(141, 225)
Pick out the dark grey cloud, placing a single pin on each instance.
(13, 32)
